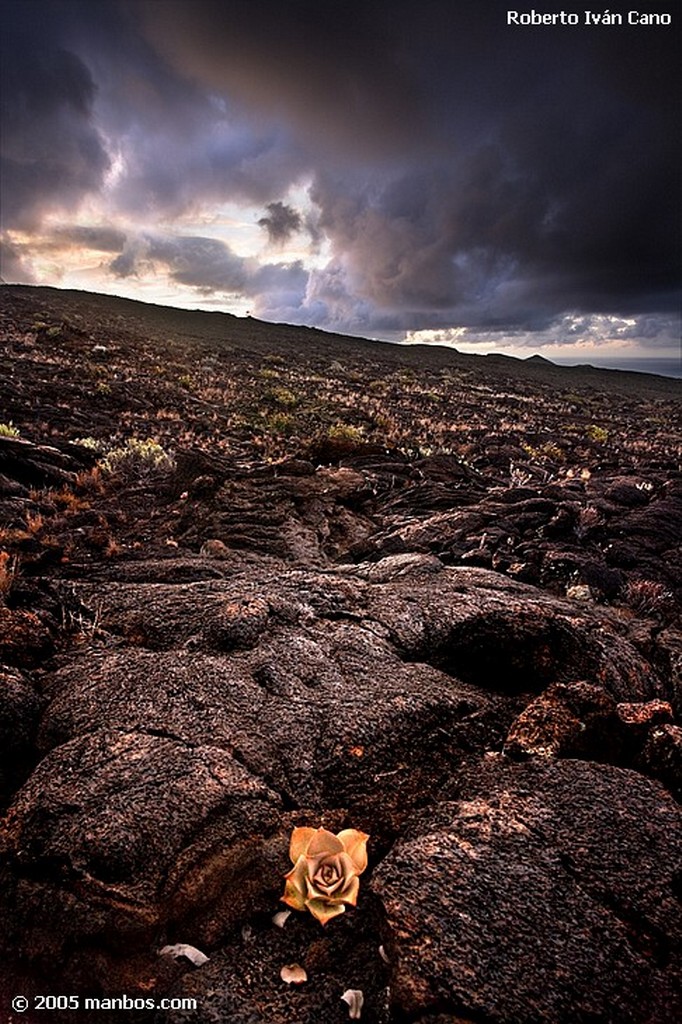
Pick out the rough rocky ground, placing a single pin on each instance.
(255, 577)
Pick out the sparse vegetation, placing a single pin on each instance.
(597, 434)
(7, 573)
(282, 397)
(236, 397)
(137, 457)
(282, 423)
(345, 432)
(649, 598)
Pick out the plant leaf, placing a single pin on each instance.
(295, 891)
(300, 839)
(324, 842)
(355, 845)
(324, 911)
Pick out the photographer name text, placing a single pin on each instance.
(605, 18)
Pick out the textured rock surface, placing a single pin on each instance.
(244, 984)
(545, 892)
(20, 708)
(662, 756)
(101, 843)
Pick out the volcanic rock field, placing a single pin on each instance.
(255, 577)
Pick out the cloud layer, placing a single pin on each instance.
(411, 166)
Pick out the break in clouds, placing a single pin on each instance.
(401, 167)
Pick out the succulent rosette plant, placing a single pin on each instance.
(324, 878)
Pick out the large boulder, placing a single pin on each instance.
(473, 624)
(119, 834)
(20, 708)
(544, 892)
(328, 716)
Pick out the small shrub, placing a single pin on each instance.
(137, 458)
(7, 573)
(90, 442)
(8, 430)
(597, 434)
(345, 432)
(531, 452)
(34, 522)
(553, 451)
(70, 502)
(283, 397)
(647, 597)
(519, 476)
(280, 423)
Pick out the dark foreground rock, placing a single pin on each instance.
(117, 835)
(546, 892)
(176, 748)
(243, 983)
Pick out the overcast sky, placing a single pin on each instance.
(417, 170)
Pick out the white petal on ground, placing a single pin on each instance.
(293, 974)
(355, 999)
(280, 918)
(182, 949)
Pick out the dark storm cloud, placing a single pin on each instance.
(52, 154)
(463, 172)
(206, 264)
(463, 167)
(209, 265)
(281, 223)
(336, 73)
(12, 265)
(101, 239)
(81, 86)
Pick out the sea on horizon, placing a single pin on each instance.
(663, 367)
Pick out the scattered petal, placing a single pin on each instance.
(280, 918)
(293, 974)
(247, 933)
(355, 1000)
(182, 949)
(383, 955)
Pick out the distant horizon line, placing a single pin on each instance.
(665, 366)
